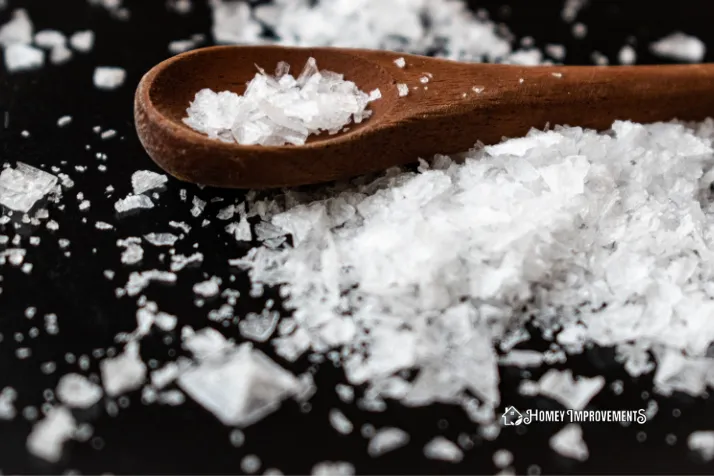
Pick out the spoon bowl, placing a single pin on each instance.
(450, 107)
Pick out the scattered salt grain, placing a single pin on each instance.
(82, 41)
(627, 55)
(400, 62)
(340, 423)
(680, 46)
(18, 30)
(333, 468)
(109, 77)
(443, 450)
(386, 440)
(250, 464)
(208, 288)
(21, 57)
(22, 187)
(77, 391)
(402, 89)
(569, 443)
(502, 458)
(133, 202)
(49, 435)
(50, 39)
(556, 51)
(280, 109)
(179, 262)
(108, 134)
(240, 388)
(143, 181)
(198, 206)
(702, 442)
(64, 121)
(123, 373)
(100, 225)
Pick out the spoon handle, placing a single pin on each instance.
(462, 103)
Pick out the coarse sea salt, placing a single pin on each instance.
(77, 391)
(51, 433)
(386, 440)
(569, 443)
(281, 109)
(109, 77)
(143, 181)
(23, 186)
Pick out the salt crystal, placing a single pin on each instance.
(205, 344)
(16, 31)
(77, 391)
(100, 225)
(108, 134)
(7, 403)
(161, 239)
(241, 388)
(207, 288)
(64, 121)
(82, 41)
(165, 375)
(571, 393)
(22, 187)
(569, 443)
(340, 423)
(22, 57)
(50, 39)
(522, 358)
(133, 202)
(198, 206)
(627, 55)
(555, 51)
(109, 77)
(49, 435)
(702, 442)
(502, 458)
(179, 262)
(123, 373)
(680, 46)
(250, 464)
(386, 440)
(443, 450)
(400, 62)
(333, 468)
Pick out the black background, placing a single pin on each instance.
(186, 439)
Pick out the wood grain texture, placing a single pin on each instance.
(445, 115)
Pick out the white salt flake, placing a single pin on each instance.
(109, 77)
(133, 202)
(386, 440)
(123, 373)
(680, 46)
(161, 239)
(49, 435)
(400, 62)
(443, 450)
(333, 468)
(339, 422)
(402, 90)
(77, 391)
(627, 55)
(571, 393)
(569, 443)
(22, 57)
(18, 30)
(702, 442)
(23, 186)
(143, 181)
(208, 288)
(64, 121)
(82, 41)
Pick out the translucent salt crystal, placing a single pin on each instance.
(571, 9)
(345, 392)
(161, 239)
(702, 442)
(569, 443)
(172, 398)
(82, 41)
(179, 262)
(386, 440)
(241, 388)
(22, 187)
(250, 464)
(402, 89)
(50, 39)
(627, 55)
(22, 57)
(133, 202)
(109, 77)
(680, 46)
(443, 450)
(580, 30)
(339, 422)
(16, 31)
(77, 391)
(100, 225)
(108, 134)
(571, 393)
(123, 373)
(60, 55)
(139, 280)
(49, 435)
(143, 181)
(502, 458)
(259, 327)
(64, 121)
(522, 358)
(333, 468)
(400, 62)
(181, 46)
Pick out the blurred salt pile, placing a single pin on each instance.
(281, 109)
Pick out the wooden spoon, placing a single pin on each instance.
(459, 105)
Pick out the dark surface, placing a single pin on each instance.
(186, 439)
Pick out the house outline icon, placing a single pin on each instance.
(511, 417)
